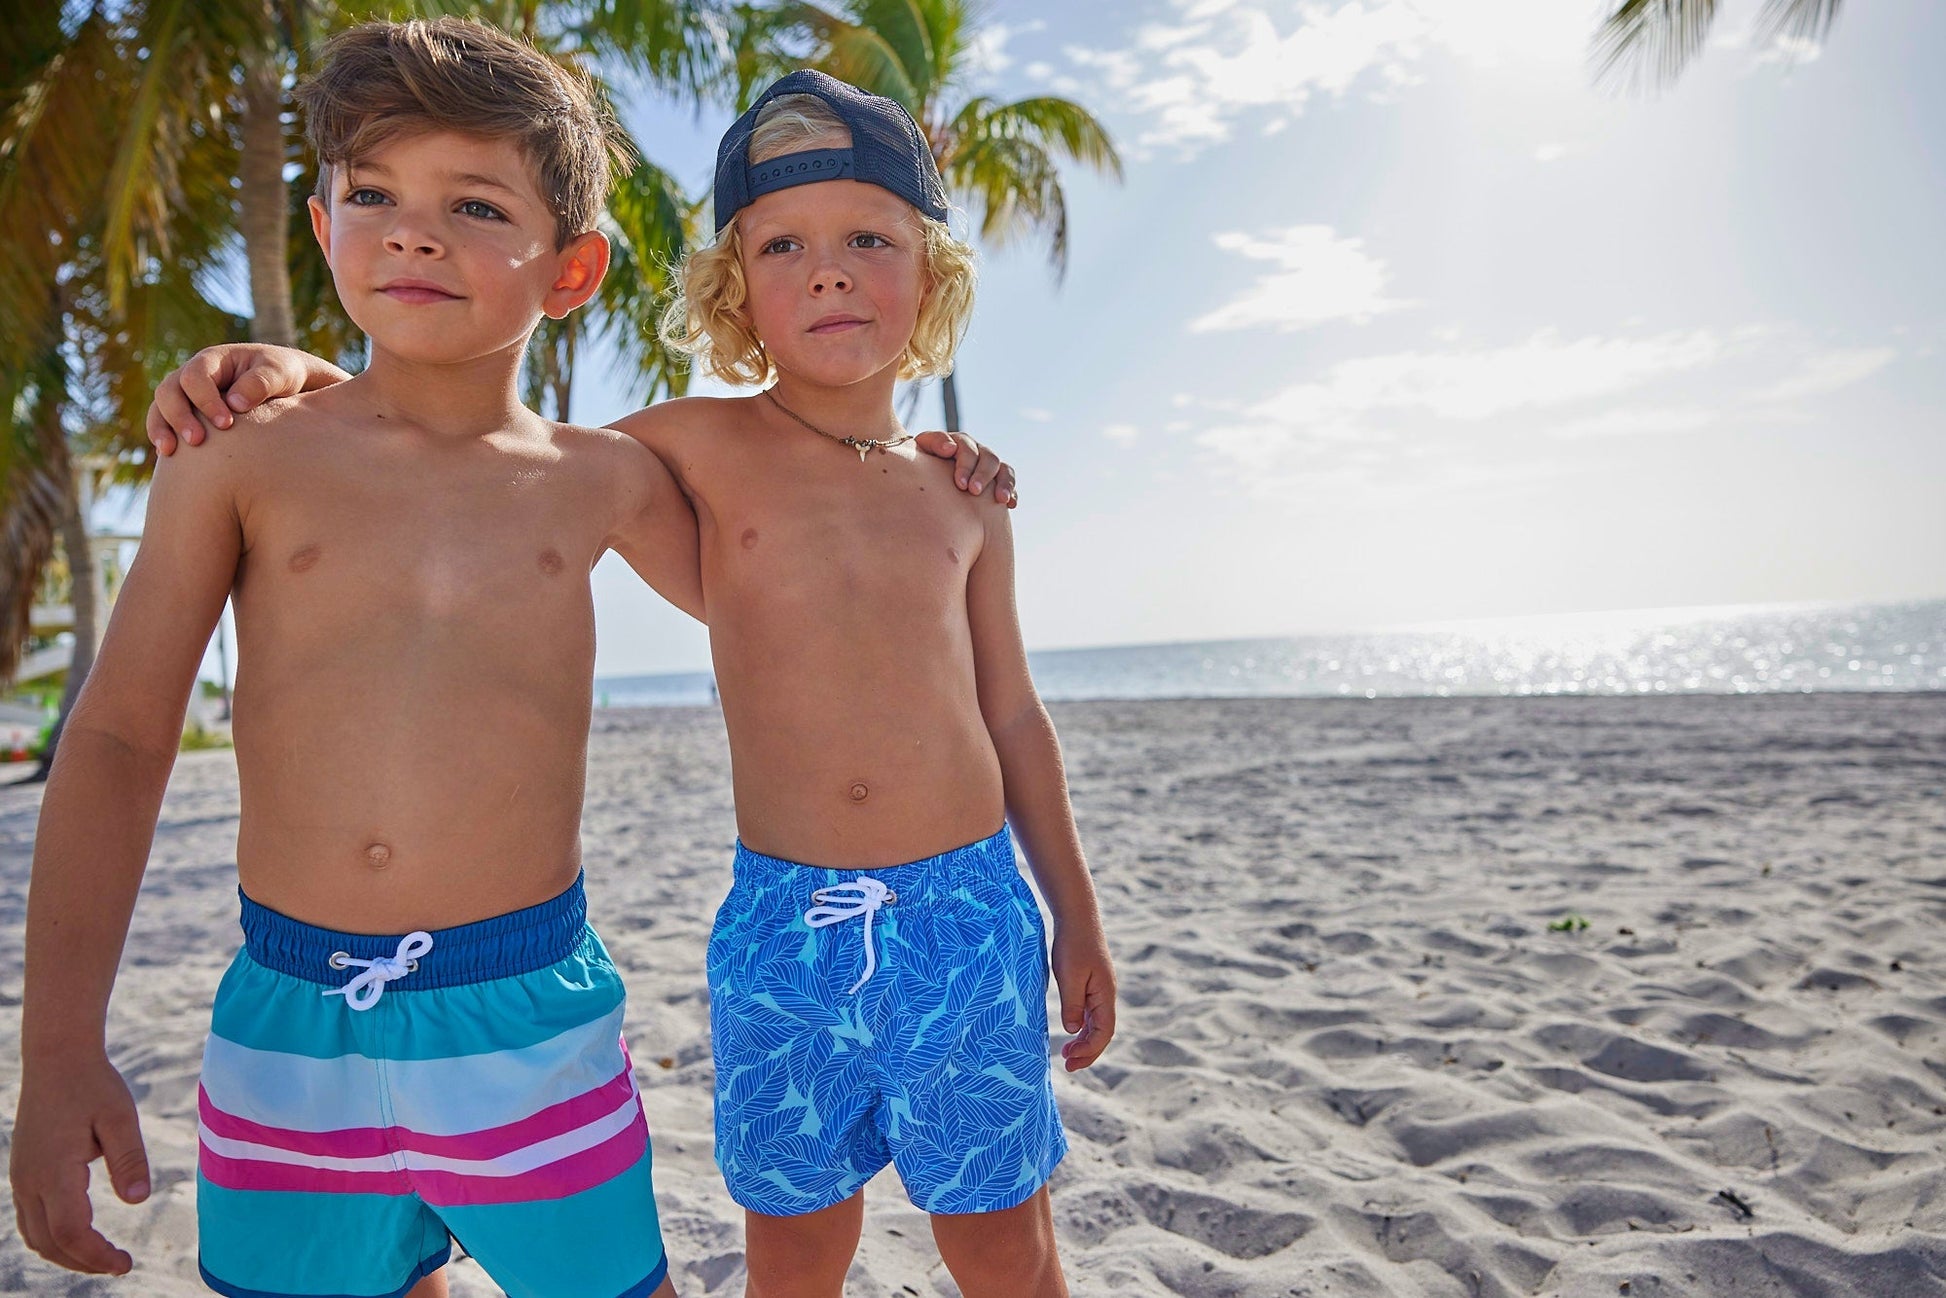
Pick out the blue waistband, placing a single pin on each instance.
(505, 946)
(993, 855)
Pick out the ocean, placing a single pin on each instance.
(1731, 650)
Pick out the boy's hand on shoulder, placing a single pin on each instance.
(1086, 978)
(218, 383)
(974, 466)
(64, 1123)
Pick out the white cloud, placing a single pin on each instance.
(1791, 51)
(989, 48)
(1647, 420)
(1035, 415)
(1820, 375)
(1363, 399)
(1319, 277)
(1192, 77)
(1377, 416)
(1123, 433)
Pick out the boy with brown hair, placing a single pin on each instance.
(421, 1039)
(878, 969)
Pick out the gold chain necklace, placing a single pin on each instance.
(862, 445)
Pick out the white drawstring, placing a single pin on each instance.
(869, 895)
(362, 992)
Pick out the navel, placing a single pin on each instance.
(306, 557)
(859, 791)
(552, 562)
(749, 538)
(952, 553)
(378, 856)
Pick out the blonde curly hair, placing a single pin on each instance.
(706, 319)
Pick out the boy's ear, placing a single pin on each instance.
(582, 264)
(320, 225)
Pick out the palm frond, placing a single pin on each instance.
(56, 140)
(1017, 188)
(141, 179)
(901, 24)
(1058, 125)
(950, 27)
(850, 51)
(650, 224)
(1644, 44)
(678, 45)
(33, 490)
(1808, 20)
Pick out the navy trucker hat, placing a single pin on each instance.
(886, 150)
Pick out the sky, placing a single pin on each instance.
(1397, 317)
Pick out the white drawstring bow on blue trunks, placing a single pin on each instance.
(867, 895)
(362, 992)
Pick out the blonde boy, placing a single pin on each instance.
(877, 971)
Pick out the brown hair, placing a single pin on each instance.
(706, 317)
(380, 80)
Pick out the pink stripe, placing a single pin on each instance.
(558, 1180)
(242, 1174)
(373, 1142)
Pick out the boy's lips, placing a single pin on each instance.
(417, 291)
(832, 324)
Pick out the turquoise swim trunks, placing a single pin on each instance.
(366, 1100)
(860, 1017)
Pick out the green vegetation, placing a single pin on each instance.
(151, 171)
(197, 737)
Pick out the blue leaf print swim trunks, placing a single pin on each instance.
(860, 1017)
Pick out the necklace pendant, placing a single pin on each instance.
(862, 448)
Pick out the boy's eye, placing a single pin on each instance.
(868, 240)
(484, 211)
(364, 198)
(782, 244)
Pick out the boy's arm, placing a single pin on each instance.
(1037, 796)
(658, 535)
(96, 824)
(219, 383)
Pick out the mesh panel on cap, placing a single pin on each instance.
(887, 150)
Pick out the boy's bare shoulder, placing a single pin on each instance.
(251, 449)
(665, 423)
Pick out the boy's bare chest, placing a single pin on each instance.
(886, 531)
(470, 547)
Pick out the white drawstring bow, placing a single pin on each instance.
(362, 992)
(868, 894)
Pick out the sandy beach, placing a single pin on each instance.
(1367, 1048)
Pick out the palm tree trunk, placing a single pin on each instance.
(949, 391)
(84, 580)
(264, 218)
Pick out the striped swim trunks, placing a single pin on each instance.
(367, 1100)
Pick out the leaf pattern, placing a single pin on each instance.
(939, 1063)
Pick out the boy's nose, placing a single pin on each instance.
(403, 239)
(830, 278)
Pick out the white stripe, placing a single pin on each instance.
(540, 1154)
(438, 1097)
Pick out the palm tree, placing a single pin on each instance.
(1000, 160)
(102, 288)
(673, 44)
(1649, 42)
(121, 126)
